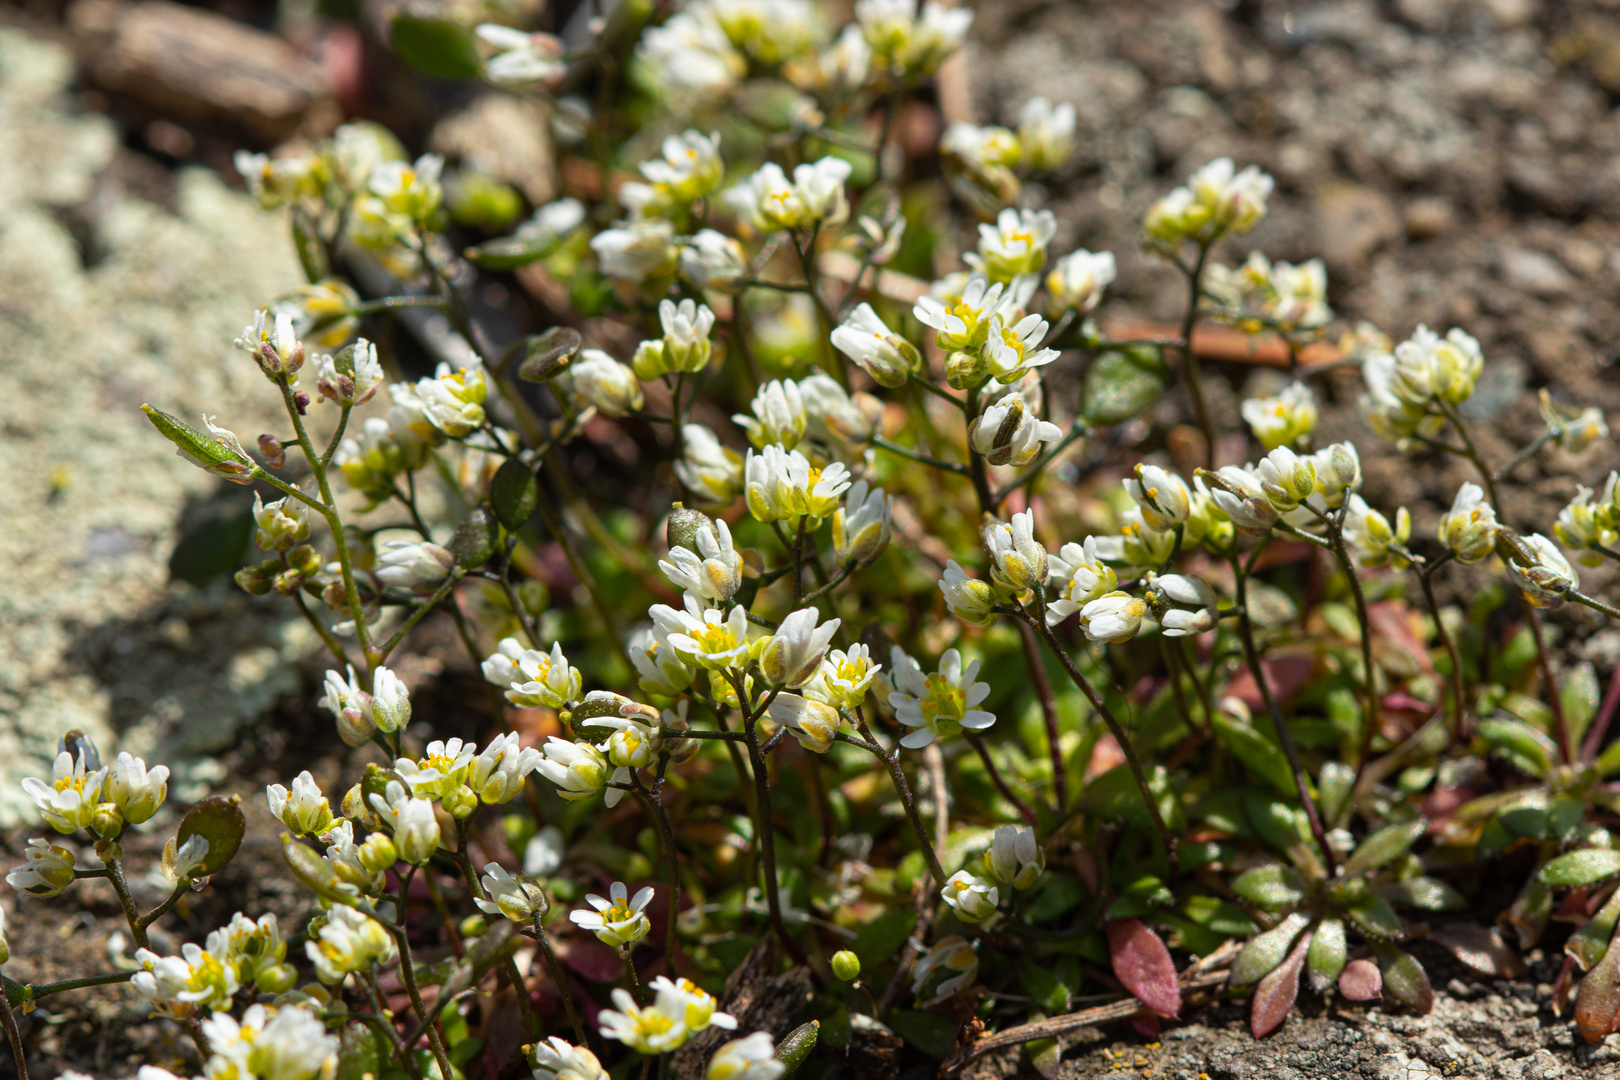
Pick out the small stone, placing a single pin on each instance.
(1354, 222)
(1535, 272)
(1429, 217)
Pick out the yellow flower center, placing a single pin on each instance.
(851, 671)
(75, 783)
(619, 912)
(941, 699)
(715, 638)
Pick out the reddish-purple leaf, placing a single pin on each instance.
(1143, 965)
(1361, 981)
(1276, 992)
(1481, 948)
(1146, 1024)
(592, 959)
(1597, 1003)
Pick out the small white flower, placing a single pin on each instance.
(781, 484)
(1010, 350)
(349, 941)
(1197, 609)
(637, 252)
(1239, 494)
(557, 1059)
(596, 380)
(1369, 537)
(45, 871)
(1046, 132)
(517, 899)
(413, 565)
(881, 353)
(416, 830)
(860, 527)
(69, 802)
(660, 666)
(443, 767)
(577, 768)
(303, 809)
(767, 200)
(521, 58)
(1338, 472)
(1217, 199)
(1285, 420)
(409, 188)
(1009, 432)
(1081, 577)
(795, 650)
(713, 260)
(185, 862)
(752, 1058)
(1020, 562)
(690, 56)
(1163, 497)
(1078, 279)
(686, 334)
(779, 415)
(707, 467)
(1583, 526)
(820, 188)
(655, 1029)
(973, 898)
(1015, 245)
(390, 703)
(1286, 478)
(137, 791)
(1015, 857)
(965, 322)
(1546, 575)
(180, 986)
(968, 598)
(843, 677)
(534, 678)
(949, 966)
(696, 1007)
(714, 571)
(280, 525)
(938, 705)
(690, 167)
(812, 723)
(703, 636)
(351, 379)
(908, 42)
(497, 775)
(1115, 617)
(618, 921)
(1469, 528)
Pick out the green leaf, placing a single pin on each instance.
(1282, 826)
(545, 356)
(220, 822)
(1427, 893)
(1059, 893)
(1375, 918)
(1587, 944)
(1404, 978)
(1528, 749)
(315, 873)
(1043, 987)
(1223, 918)
(1140, 897)
(359, 1053)
(1270, 887)
(1581, 867)
(1120, 385)
(511, 252)
(436, 46)
(1528, 822)
(1385, 846)
(1334, 785)
(1608, 763)
(513, 493)
(475, 538)
(311, 252)
(1114, 795)
(1265, 951)
(882, 937)
(1579, 696)
(1258, 752)
(1328, 954)
(930, 1032)
(214, 547)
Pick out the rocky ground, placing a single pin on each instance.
(1454, 162)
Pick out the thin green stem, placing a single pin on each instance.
(399, 303)
(329, 639)
(1592, 602)
(39, 990)
(163, 909)
(115, 874)
(554, 967)
(974, 740)
(14, 1037)
(420, 612)
(928, 385)
(1195, 385)
(654, 802)
(1528, 452)
(907, 798)
(1456, 714)
(1049, 713)
(386, 1020)
(906, 452)
(1079, 430)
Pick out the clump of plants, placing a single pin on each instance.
(912, 677)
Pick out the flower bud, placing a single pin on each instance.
(1537, 567)
(1015, 857)
(1163, 497)
(846, 966)
(1019, 561)
(1286, 478)
(860, 527)
(1469, 528)
(881, 353)
(972, 897)
(1338, 472)
(275, 454)
(378, 853)
(108, 821)
(966, 369)
(46, 870)
(648, 362)
(257, 580)
(459, 802)
(968, 598)
(792, 654)
(416, 830)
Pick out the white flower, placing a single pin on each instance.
(1338, 472)
(353, 376)
(813, 723)
(1469, 528)
(633, 743)
(1446, 368)
(1115, 617)
(782, 484)
(1583, 526)
(1020, 562)
(1161, 495)
(68, 803)
(390, 703)
(180, 986)
(965, 323)
(753, 1058)
(556, 1059)
(696, 1007)
(1216, 200)
(690, 55)
(860, 528)
(497, 775)
(794, 652)
(414, 565)
(443, 767)
(661, 668)
(543, 854)
(1545, 575)
(348, 859)
(949, 966)
(1575, 431)
(349, 941)
(843, 677)
(766, 200)
(1286, 478)
(136, 790)
(779, 415)
(596, 380)
(452, 402)
(1198, 609)
(638, 251)
(906, 42)
(534, 678)
(416, 830)
(1284, 420)
(881, 353)
(655, 1029)
(820, 187)
(1081, 577)
(707, 467)
(409, 188)
(1009, 433)
(714, 571)
(843, 67)
(577, 768)
(1015, 857)
(273, 343)
(713, 260)
(1368, 535)
(1078, 279)
(45, 871)
(835, 415)
(256, 949)
(274, 182)
(517, 899)
(968, 598)
(973, 898)
(686, 334)
(1015, 245)
(521, 58)
(690, 167)
(280, 525)
(303, 809)
(1299, 294)
(703, 636)
(1010, 350)
(286, 1043)
(1046, 132)
(618, 921)
(937, 705)
(1137, 544)
(1239, 495)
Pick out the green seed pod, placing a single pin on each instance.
(792, 1050)
(475, 538)
(846, 965)
(218, 821)
(683, 527)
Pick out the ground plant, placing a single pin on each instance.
(857, 637)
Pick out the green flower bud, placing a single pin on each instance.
(846, 965)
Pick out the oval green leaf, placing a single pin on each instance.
(220, 822)
(1328, 954)
(1581, 867)
(1270, 887)
(1265, 951)
(1385, 846)
(439, 47)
